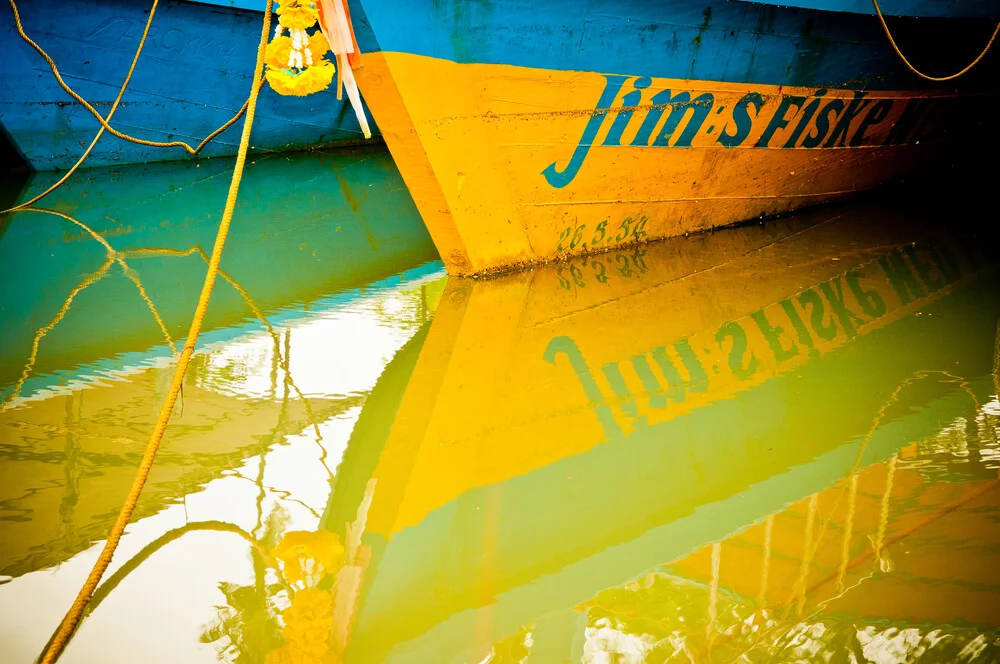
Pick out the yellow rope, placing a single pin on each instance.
(919, 73)
(114, 106)
(104, 121)
(76, 611)
(166, 538)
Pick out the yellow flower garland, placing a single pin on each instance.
(276, 53)
(308, 623)
(296, 65)
(296, 14)
(307, 556)
(309, 80)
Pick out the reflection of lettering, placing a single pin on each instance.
(601, 269)
(568, 348)
(678, 118)
(760, 344)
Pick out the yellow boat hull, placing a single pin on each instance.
(511, 165)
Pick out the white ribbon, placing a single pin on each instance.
(334, 25)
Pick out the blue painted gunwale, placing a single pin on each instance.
(705, 40)
(194, 74)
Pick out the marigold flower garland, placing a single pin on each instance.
(296, 65)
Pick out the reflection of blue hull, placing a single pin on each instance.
(306, 225)
(194, 74)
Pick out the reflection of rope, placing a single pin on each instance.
(765, 567)
(104, 121)
(42, 331)
(259, 314)
(906, 62)
(964, 384)
(166, 538)
(996, 362)
(114, 106)
(713, 590)
(808, 551)
(883, 518)
(906, 532)
(75, 614)
(926, 521)
(281, 493)
(113, 256)
(845, 552)
(881, 541)
(129, 272)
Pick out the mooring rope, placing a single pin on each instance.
(76, 611)
(104, 121)
(895, 47)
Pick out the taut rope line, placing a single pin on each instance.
(878, 11)
(76, 611)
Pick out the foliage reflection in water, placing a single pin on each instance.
(774, 443)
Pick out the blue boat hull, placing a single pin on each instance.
(194, 74)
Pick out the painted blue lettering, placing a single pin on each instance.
(744, 123)
(561, 178)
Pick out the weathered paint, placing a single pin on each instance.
(704, 40)
(193, 76)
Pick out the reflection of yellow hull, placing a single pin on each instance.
(566, 429)
(474, 153)
(68, 460)
(520, 372)
(811, 551)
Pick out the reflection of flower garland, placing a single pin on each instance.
(296, 64)
(307, 558)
